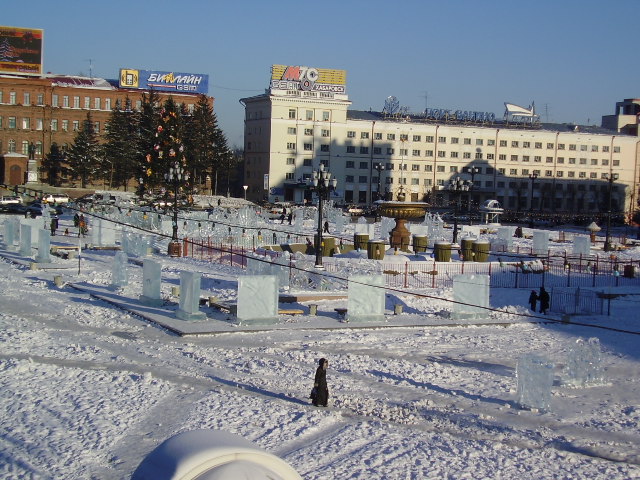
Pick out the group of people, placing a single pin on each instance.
(81, 224)
(544, 299)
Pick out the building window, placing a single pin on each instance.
(582, 174)
(594, 161)
(583, 161)
(40, 99)
(12, 123)
(428, 139)
(537, 144)
(515, 144)
(583, 148)
(415, 153)
(503, 143)
(441, 153)
(467, 141)
(377, 151)
(291, 161)
(442, 139)
(38, 148)
(501, 171)
(513, 171)
(96, 127)
(324, 148)
(491, 142)
(364, 150)
(548, 173)
(455, 140)
(54, 100)
(572, 147)
(308, 114)
(87, 103)
(427, 182)
(291, 146)
(26, 123)
(571, 174)
(25, 147)
(572, 161)
(349, 178)
(428, 153)
(605, 149)
(559, 173)
(364, 135)
(107, 104)
(549, 159)
(292, 114)
(12, 146)
(526, 144)
(616, 149)
(39, 124)
(65, 125)
(404, 152)
(616, 163)
(326, 116)
(291, 130)
(351, 149)
(308, 147)
(12, 100)
(490, 156)
(478, 155)
(391, 136)
(324, 133)
(593, 175)
(377, 136)
(415, 167)
(351, 134)
(453, 169)
(289, 176)
(440, 168)
(560, 160)
(96, 103)
(76, 102)
(538, 158)
(454, 154)
(308, 132)
(390, 151)
(605, 162)
(502, 156)
(350, 164)
(417, 138)
(514, 158)
(362, 179)
(428, 168)
(525, 158)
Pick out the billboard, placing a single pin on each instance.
(286, 77)
(164, 81)
(21, 50)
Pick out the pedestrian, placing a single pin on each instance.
(290, 217)
(326, 227)
(533, 299)
(544, 300)
(321, 396)
(76, 220)
(82, 224)
(518, 233)
(54, 225)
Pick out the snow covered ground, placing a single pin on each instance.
(87, 390)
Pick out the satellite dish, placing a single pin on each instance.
(391, 105)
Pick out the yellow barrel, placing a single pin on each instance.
(466, 246)
(328, 246)
(419, 243)
(375, 249)
(442, 251)
(360, 241)
(481, 250)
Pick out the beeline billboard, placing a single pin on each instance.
(164, 81)
(21, 50)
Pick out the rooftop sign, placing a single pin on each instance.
(164, 81)
(21, 50)
(309, 79)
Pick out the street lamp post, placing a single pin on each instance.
(457, 186)
(473, 170)
(607, 241)
(532, 177)
(176, 176)
(379, 168)
(141, 188)
(321, 183)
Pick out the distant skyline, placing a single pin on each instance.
(574, 58)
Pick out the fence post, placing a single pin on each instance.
(185, 246)
(433, 274)
(568, 274)
(517, 273)
(406, 275)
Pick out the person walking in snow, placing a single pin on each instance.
(533, 299)
(544, 300)
(321, 396)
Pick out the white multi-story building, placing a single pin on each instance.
(303, 120)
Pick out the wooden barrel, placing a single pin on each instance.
(420, 243)
(360, 241)
(466, 245)
(481, 250)
(442, 251)
(375, 249)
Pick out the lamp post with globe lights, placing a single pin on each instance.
(610, 178)
(457, 187)
(176, 177)
(322, 184)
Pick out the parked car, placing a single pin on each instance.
(36, 209)
(55, 198)
(8, 199)
(13, 208)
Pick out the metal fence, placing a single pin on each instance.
(554, 271)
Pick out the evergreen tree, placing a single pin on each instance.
(148, 119)
(53, 165)
(209, 143)
(169, 143)
(83, 157)
(121, 156)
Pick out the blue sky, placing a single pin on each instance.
(574, 58)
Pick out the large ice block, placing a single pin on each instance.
(151, 283)
(581, 246)
(257, 299)
(472, 291)
(189, 308)
(9, 237)
(119, 272)
(366, 300)
(584, 363)
(540, 242)
(535, 378)
(44, 246)
(25, 239)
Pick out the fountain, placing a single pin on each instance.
(401, 211)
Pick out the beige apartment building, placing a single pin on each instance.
(527, 166)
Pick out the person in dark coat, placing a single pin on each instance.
(533, 299)
(326, 227)
(544, 300)
(320, 384)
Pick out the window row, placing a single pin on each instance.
(25, 123)
(12, 147)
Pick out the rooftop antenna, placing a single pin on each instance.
(90, 67)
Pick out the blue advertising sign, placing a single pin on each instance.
(164, 81)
